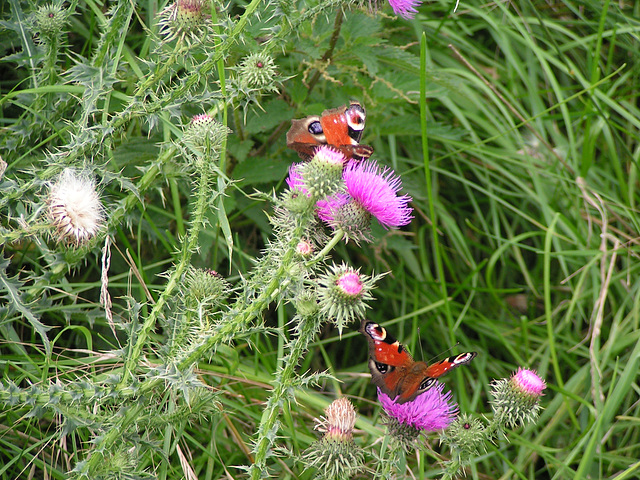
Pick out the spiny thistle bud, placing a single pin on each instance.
(339, 421)
(430, 411)
(465, 437)
(258, 70)
(306, 303)
(184, 20)
(323, 174)
(50, 21)
(336, 455)
(205, 132)
(516, 400)
(205, 287)
(74, 208)
(343, 291)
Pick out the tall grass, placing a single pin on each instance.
(514, 127)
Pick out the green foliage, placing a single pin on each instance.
(515, 128)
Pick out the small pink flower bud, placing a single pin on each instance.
(304, 248)
(342, 293)
(335, 455)
(516, 399)
(184, 20)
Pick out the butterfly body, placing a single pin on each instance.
(339, 127)
(395, 372)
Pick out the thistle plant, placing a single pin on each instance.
(516, 402)
(177, 297)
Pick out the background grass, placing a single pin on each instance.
(524, 246)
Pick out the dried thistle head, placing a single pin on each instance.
(74, 208)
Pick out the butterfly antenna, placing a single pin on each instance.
(444, 354)
(420, 344)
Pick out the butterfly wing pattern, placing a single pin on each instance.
(395, 372)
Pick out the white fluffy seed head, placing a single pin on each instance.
(74, 208)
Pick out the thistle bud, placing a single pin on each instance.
(205, 287)
(184, 20)
(465, 436)
(258, 70)
(323, 174)
(205, 132)
(306, 303)
(516, 400)
(304, 248)
(336, 455)
(343, 292)
(297, 198)
(50, 21)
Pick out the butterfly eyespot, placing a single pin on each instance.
(382, 368)
(427, 383)
(315, 128)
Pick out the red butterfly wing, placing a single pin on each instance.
(339, 127)
(440, 368)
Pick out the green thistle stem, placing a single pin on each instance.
(283, 384)
(161, 69)
(337, 236)
(243, 312)
(188, 247)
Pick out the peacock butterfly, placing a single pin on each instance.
(395, 372)
(339, 127)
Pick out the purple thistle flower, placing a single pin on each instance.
(405, 8)
(376, 190)
(328, 207)
(295, 180)
(430, 411)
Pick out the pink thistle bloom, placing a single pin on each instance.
(331, 156)
(528, 382)
(405, 8)
(328, 207)
(430, 411)
(350, 284)
(375, 191)
(295, 180)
